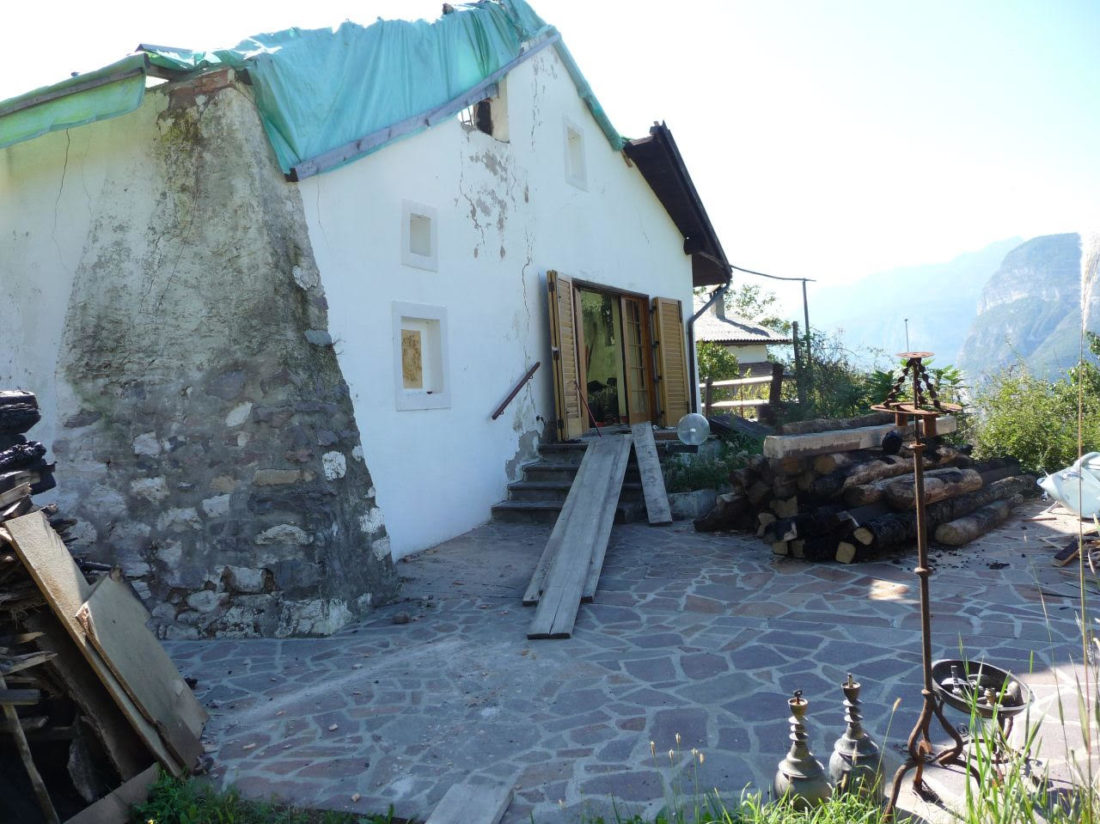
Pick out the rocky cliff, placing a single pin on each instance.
(1030, 310)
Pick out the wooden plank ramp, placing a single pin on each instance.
(653, 479)
(469, 803)
(582, 542)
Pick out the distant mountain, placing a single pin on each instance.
(940, 300)
(1030, 310)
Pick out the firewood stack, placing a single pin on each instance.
(854, 505)
(66, 739)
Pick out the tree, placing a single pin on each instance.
(716, 362)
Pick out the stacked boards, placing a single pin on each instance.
(569, 568)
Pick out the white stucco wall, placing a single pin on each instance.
(505, 215)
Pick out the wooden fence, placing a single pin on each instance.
(755, 396)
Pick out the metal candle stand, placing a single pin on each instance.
(919, 746)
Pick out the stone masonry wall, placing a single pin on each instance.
(210, 446)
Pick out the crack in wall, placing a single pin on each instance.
(57, 200)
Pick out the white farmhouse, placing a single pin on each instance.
(270, 303)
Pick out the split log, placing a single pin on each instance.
(806, 480)
(784, 486)
(977, 523)
(789, 465)
(826, 425)
(832, 461)
(758, 492)
(938, 485)
(780, 548)
(729, 509)
(893, 529)
(763, 519)
(785, 507)
(886, 466)
(821, 520)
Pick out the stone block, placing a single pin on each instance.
(153, 490)
(295, 574)
(179, 520)
(205, 600)
(319, 337)
(334, 464)
(105, 501)
(284, 534)
(315, 617)
(691, 505)
(238, 414)
(227, 385)
(245, 579)
(146, 444)
(372, 521)
(276, 477)
(216, 507)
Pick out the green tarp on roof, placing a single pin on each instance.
(109, 92)
(319, 90)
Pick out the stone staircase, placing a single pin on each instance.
(539, 497)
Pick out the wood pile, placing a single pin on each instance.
(90, 699)
(854, 504)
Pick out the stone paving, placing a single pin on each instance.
(698, 635)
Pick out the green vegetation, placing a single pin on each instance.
(1036, 420)
(191, 801)
(716, 362)
(684, 473)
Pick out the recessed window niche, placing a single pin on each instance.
(421, 366)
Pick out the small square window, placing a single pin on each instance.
(576, 171)
(418, 236)
(420, 357)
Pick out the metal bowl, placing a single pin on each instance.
(987, 689)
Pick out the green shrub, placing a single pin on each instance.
(685, 473)
(1035, 420)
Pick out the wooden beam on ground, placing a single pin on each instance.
(841, 440)
(596, 492)
(653, 479)
(114, 808)
(468, 803)
(65, 588)
(606, 521)
(115, 622)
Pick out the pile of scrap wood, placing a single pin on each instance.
(90, 699)
(839, 495)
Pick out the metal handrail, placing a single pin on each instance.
(515, 390)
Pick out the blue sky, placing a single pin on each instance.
(828, 139)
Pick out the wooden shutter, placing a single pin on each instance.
(673, 386)
(563, 350)
(639, 384)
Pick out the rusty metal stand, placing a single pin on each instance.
(920, 747)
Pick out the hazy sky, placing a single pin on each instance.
(828, 139)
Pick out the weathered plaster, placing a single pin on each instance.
(200, 427)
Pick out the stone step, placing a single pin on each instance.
(545, 471)
(547, 512)
(557, 490)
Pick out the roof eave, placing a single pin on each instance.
(659, 160)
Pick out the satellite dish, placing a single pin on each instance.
(693, 429)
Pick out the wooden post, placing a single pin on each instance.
(799, 371)
(708, 395)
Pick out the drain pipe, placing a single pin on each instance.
(715, 296)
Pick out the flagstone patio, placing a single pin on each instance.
(703, 636)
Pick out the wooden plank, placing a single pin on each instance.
(614, 487)
(114, 808)
(467, 803)
(61, 581)
(20, 698)
(126, 752)
(550, 551)
(653, 480)
(565, 581)
(841, 440)
(115, 621)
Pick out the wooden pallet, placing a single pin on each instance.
(570, 566)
